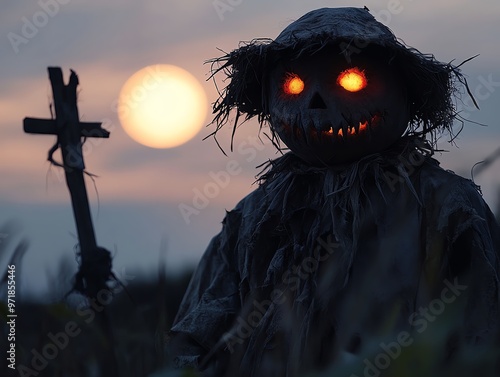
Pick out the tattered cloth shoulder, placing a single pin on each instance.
(420, 225)
(344, 194)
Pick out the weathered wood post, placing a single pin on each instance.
(69, 131)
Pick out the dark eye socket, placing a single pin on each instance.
(293, 84)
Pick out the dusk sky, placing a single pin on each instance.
(140, 189)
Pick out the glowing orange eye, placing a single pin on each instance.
(293, 85)
(352, 79)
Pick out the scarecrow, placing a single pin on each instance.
(356, 228)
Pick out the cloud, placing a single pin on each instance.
(139, 188)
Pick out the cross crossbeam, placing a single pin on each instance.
(48, 127)
(69, 131)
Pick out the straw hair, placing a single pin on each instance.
(432, 85)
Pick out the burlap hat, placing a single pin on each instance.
(432, 85)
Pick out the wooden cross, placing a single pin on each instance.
(69, 131)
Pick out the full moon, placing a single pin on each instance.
(162, 106)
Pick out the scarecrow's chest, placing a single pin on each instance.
(309, 251)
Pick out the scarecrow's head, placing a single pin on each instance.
(336, 86)
(328, 109)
